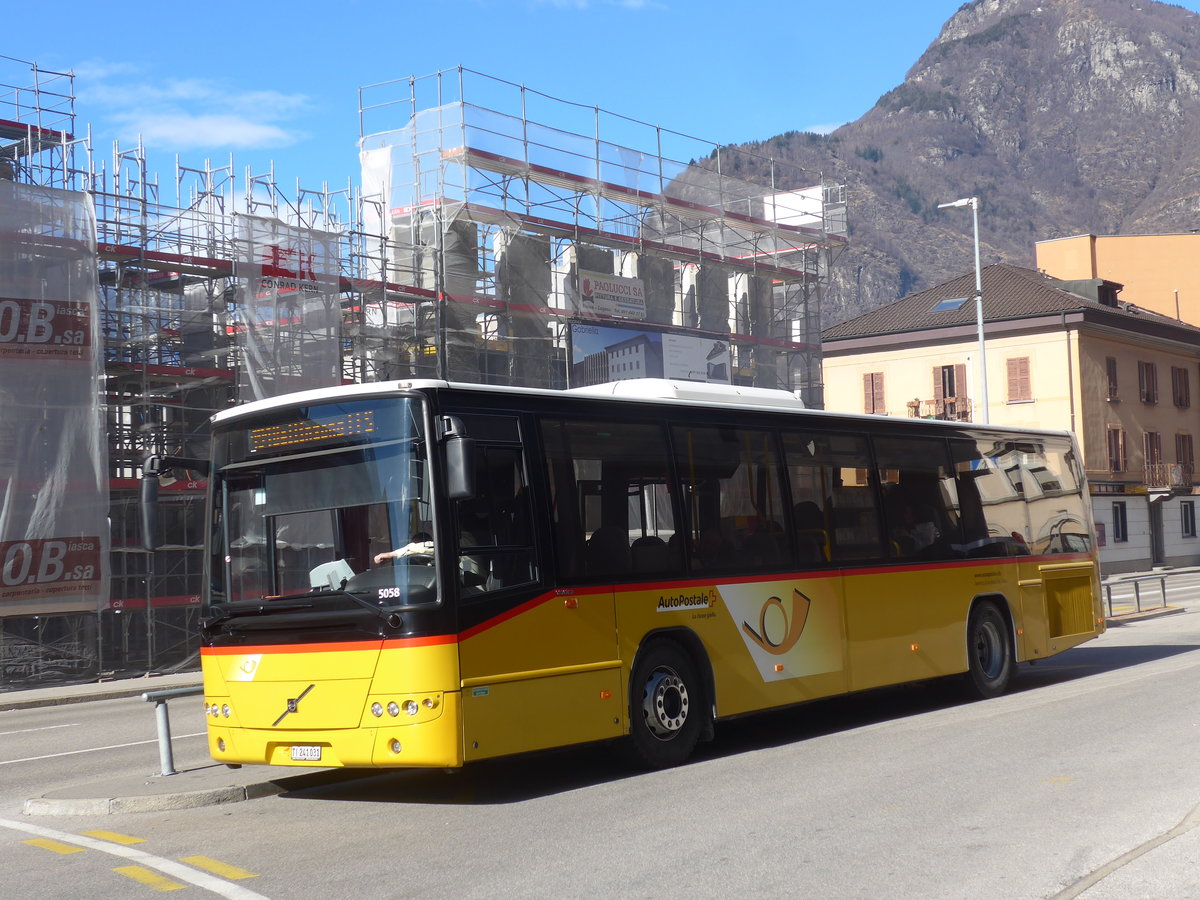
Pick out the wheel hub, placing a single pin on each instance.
(665, 703)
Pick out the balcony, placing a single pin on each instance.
(1168, 475)
(951, 409)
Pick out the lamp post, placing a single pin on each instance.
(973, 202)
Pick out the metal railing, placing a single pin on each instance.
(952, 409)
(1137, 581)
(159, 698)
(1175, 475)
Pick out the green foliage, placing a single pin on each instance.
(870, 154)
(910, 195)
(910, 96)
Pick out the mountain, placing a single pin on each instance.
(1063, 116)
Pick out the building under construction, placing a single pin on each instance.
(495, 235)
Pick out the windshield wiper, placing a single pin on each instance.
(390, 618)
(254, 608)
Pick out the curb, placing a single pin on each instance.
(47, 806)
(60, 695)
(1156, 613)
(185, 799)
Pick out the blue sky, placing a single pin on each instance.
(279, 82)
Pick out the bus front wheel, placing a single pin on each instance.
(989, 651)
(667, 705)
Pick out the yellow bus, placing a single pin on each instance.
(420, 573)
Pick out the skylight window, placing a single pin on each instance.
(947, 305)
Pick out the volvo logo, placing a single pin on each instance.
(293, 705)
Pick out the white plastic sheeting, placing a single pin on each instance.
(54, 537)
(288, 325)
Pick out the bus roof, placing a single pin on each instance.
(636, 390)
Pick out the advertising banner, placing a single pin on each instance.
(611, 295)
(54, 535)
(601, 353)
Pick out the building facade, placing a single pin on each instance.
(1147, 265)
(1118, 376)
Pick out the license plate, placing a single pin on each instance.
(306, 753)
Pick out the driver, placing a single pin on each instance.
(420, 545)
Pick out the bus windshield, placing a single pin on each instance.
(325, 509)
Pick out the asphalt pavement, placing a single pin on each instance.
(211, 784)
(206, 785)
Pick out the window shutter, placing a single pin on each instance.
(938, 393)
(1019, 387)
(960, 381)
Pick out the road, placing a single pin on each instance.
(902, 793)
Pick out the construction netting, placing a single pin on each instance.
(54, 539)
(288, 323)
(541, 258)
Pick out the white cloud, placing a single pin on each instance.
(189, 113)
(185, 131)
(823, 129)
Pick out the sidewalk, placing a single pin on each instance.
(206, 785)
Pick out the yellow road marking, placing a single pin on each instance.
(218, 868)
(115, 837)
(54, 846)
(149, 878)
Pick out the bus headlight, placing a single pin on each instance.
(393, 709)
(377, 709)
(410, 707)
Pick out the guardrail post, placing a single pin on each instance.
(1162, 586)
(166, 758)
(1137, 594)
(1108, 593)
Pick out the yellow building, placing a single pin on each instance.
(1118, 376)
(1158, 271)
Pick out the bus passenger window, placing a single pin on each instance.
(835, 517)
(612, 512)
(733, 496)
(920, 502)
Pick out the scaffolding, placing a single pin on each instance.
(497, 219)
(494, 230)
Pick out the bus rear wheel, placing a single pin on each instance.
(666, 706)
(989, 651)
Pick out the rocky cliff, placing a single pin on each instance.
(1063, 116)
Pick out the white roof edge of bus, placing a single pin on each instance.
(669, 389)
(630, 389)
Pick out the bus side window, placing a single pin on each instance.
(612, 514)
(916, 478)
(835, 517)
(732, 487)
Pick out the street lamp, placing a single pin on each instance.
(973, 202)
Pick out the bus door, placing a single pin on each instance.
(538, 664)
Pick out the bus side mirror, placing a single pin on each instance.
(151, 469)
(460, 468)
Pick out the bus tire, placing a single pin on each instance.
(989, 651)
(667, 706)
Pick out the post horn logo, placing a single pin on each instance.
(794, 621)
